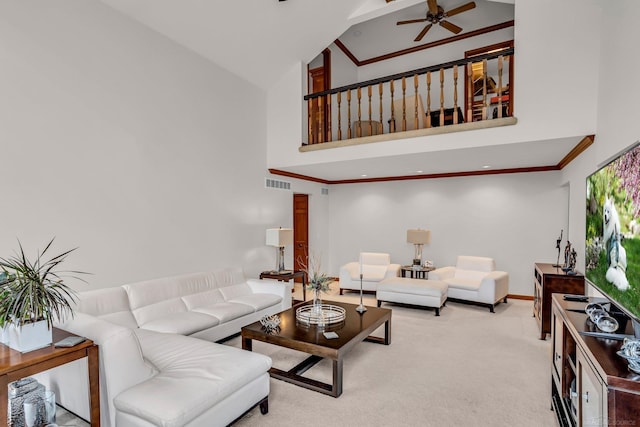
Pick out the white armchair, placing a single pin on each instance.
(474, 279)
(375, 268)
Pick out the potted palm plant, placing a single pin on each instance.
(32, 296)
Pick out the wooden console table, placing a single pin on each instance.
(286, 276)
(15, 365)
(546, 281)
(591, 385)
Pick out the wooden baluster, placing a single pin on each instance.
(328, 116)
(404, 104)
(359, 132)
(310, 139)
(500, 87)
(349, 114)
(320, 121)
(484, 89)
(441, 96)
(339, 119)
(428, 99)
(380, 105)
(455, 94)
(370, 122)
(392, 123)
(469, 92)
(415, 103)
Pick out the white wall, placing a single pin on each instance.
(114, 139)
(618, 93)
(514, 219)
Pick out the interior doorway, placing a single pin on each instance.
(319, 81)
(300, 232)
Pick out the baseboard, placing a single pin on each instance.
(524, 297)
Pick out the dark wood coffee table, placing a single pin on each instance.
(309, 339)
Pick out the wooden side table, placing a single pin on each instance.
(287, 275)
(15, 365)
(414, 272)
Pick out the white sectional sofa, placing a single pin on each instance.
(159, 365)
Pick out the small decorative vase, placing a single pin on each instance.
(317, 308)
(317, 301)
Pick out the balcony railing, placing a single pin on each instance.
(395, 103)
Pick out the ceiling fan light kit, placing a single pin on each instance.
(437, 15)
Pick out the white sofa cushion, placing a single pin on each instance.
(110, 304)
(257, 301)
(186, 323)
(194, 376)
(370, 273)
(469, 276)
(375, 258)
(225, 311)
(213, 296)
(235, 291)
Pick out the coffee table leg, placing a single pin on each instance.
(387, 332)
(247, 344)
(337, 378)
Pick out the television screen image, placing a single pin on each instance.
(612, 243)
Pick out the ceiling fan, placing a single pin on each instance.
(437, 15)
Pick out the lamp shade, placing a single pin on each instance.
(418, 236)
(279, 237)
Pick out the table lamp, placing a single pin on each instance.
(418, 237)
(280, 237)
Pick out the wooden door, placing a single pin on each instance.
(300, 231)
(317, 105)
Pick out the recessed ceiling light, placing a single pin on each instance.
(419, 171)
(486, 167)
(357, 33)
(363, 175)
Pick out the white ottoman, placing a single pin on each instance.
(425, 293)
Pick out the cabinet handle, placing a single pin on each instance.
(586, 397)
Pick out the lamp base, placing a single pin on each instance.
(417, 262)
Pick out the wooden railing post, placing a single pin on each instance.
(484, 90)
(339, 117)
(392, 123)
(359, 132)
(327, 105)
(441, 96)
(415, 103)
(404, 104)
(455, 95)
(469, 92)
(428, 99)
(380, 92)
(349, 114)
(370, 122)
(500, 87)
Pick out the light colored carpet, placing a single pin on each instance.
(466, 367)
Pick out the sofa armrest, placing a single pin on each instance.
(270, 286)
(494, 286)
(393, 270)
(442, 273)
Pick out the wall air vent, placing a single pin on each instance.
(277, 184)
(324, 191)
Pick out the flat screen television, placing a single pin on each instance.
(612, 243)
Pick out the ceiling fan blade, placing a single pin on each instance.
(451, 27)
(411, 21)
(460, 9)
(422, 33)
(433, 6)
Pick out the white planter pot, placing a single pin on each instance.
(28, 337)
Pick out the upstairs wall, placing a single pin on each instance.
(555, 77)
